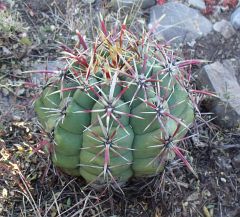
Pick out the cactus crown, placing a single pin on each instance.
(118, 108)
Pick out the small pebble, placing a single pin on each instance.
(5, 92)
(1, 208)
(89, 1)
(6, 51)
(4, 193)
(16, 118)
(52, 27)
(223, 180)
(20, 92)
(199, 4)
(236, 161)
(18, 72)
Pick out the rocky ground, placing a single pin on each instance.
(31, 186)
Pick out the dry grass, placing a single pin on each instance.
(32, 187)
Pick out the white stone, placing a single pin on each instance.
(177, 22)
(199, 4)
(5, 92)
(220, 78)
(130, 3)
(235, 19)
(89, 1)
(225, 28)
(223, 180)
(6, 51)
(39, 78)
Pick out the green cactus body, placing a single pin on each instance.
(111, 119)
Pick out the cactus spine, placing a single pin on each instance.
(118, 109)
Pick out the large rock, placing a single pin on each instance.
(39, 78)
(235, 19)
(50, 65)
(236, 65)
(220, 78)
(180, 22)
(129, 3)
(224, 28)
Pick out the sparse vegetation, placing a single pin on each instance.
(13, 35)
(10, 24)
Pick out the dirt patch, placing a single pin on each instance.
(215, 47)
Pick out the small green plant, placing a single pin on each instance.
(118, 108)
(13, 35)
(10, 24)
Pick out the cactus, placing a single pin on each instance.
(117, 110)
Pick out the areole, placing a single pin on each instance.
(118, 109)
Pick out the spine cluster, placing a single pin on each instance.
(119, 108)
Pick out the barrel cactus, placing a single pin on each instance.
(118, 109)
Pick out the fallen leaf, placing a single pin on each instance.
(4, 193)
(25, 41)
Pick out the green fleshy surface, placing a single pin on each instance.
(67, 143)
(106, 89)
(51, 98)
(145, 167)
(118, 165)
(139, 94)
(86, 99)
(67, 162)
(142, 143)
(122, 118)
(75, 122)
(92, 140)
(141, 126)
(44, 116)
(81, 151)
